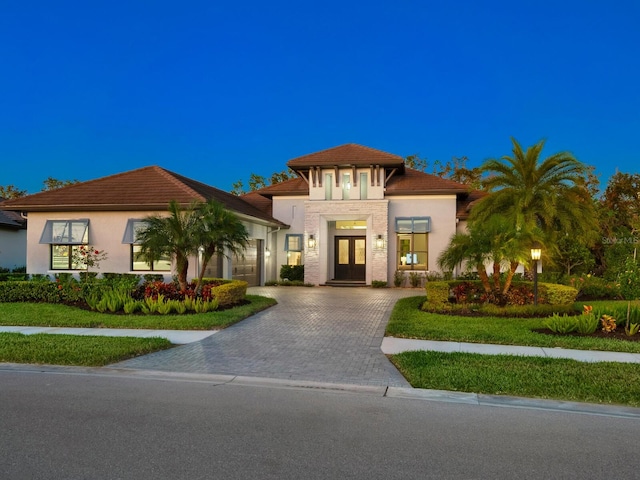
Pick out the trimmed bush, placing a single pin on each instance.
(437, 294)
(292, 272)
(555, 294)
(30, 292)
(230, 293)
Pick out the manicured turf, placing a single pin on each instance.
(408, 321)
(569, 380)
(74, 350)
(55, 315)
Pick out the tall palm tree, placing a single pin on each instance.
(549, 194)
(217, 231)
(171, 236)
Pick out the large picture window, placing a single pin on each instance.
(138, 263)
(293, 246)
(413, 243)
(65, 238)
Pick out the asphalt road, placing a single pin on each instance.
(56, 425)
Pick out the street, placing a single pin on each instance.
(59, 424)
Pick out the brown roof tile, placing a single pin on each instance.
(415, 182)
(148, 188)
(349, 154)
(466, 203)
(295, 186)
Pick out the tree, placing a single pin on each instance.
(256, 182)
(549, 194)
(494, 242)
(570, 255)
(455, 169)
(219, 231)
(52, 183)
(202, 227)
(10, 191)
(171, 236)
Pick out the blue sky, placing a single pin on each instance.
(216, 90)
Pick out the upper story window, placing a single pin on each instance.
(346, 186)
(363, 185)
(65, 238)
(328, 186)
(137, 261)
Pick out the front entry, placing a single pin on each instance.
(350, 258)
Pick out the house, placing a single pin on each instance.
(358, 215)
(13, 239)
(353, 215)
(105, 213)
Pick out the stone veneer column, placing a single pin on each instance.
(318, 213)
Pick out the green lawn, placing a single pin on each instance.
(98, 350)
(560, 379)
(55, 315)
(550, 378)
(408, 321)
(74, 350)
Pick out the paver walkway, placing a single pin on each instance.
(322, 334)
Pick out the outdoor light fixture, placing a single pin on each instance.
(311, 242)
(267, 252)
(380, 242)
(536, 253)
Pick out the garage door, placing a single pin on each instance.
(247, 268)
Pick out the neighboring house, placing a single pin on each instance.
(13, 239)
(105, 213)
(353, 215)
(357, 214)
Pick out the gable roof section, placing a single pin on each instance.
(148, 188)
(11, 220)
(349, 154)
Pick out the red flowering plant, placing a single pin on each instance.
(85, 257)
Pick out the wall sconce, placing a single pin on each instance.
(267, 252)
(311, 242)
(380, 242)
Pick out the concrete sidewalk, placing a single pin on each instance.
(392, 345)
(177, 337)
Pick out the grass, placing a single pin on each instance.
(74, 350)
(549, 378)
(408, 321)
(56, 315)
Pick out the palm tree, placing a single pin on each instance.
(171, 236)
(217, 231)
(494, 242)
(549, 194)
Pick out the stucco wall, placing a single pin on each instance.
(441, 209)
(13, 248)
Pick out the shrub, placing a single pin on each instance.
(415, 279)
(561, 323)
(437, 295)
(595, 288)
(378, 283)
(555, 294)
(31, 292)
(230, 293)
(398, 278)
(292, 272)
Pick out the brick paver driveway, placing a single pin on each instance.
(323, 334)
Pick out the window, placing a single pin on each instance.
(363, 186)
(65, 238)
(413, 242)
(138, 263)
(293, 245)
(328, 186)
(346, 185)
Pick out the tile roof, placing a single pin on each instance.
(12, 220)
(348, 154)
(466, 203)
(415, 182)
(147, 188)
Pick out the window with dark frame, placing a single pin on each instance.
(137, 262)
(412, 243)
(65, 237)
(293, 245)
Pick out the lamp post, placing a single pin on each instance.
(536, 252)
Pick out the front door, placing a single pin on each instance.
(350, 258)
